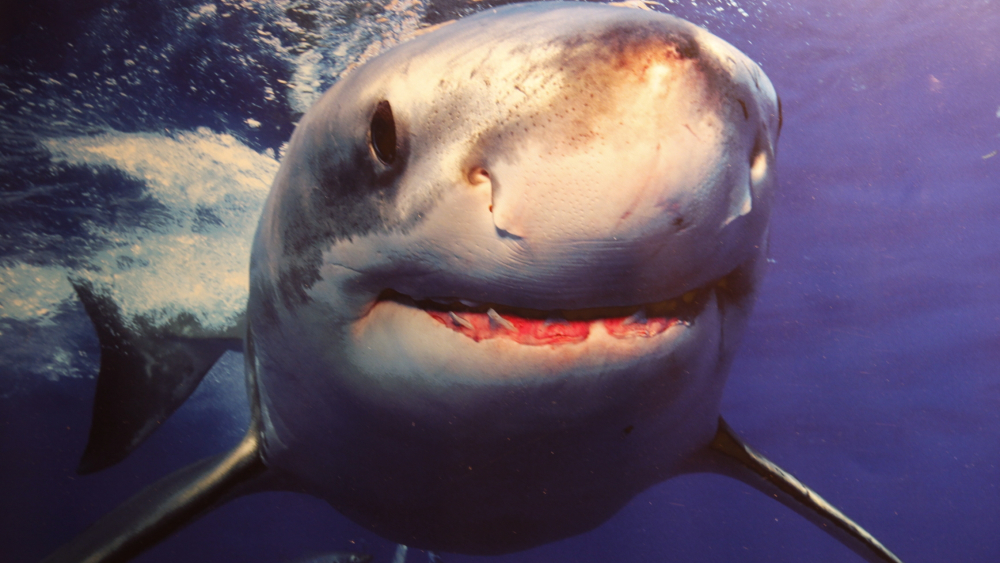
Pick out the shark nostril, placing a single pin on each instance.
(478, 175)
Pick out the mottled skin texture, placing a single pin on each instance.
(550, 158)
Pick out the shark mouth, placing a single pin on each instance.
(484, 321)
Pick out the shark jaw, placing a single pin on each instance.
(538, 327)
(485, 416)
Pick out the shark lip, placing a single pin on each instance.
(482, 321)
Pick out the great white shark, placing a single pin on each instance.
(494, 293)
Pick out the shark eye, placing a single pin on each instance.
(382, 134)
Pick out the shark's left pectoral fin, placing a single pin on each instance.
(168, 505)
(731, 456)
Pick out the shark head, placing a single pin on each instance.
(503, 270)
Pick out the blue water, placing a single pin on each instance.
(871, 369)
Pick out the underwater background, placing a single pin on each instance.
(138, 140)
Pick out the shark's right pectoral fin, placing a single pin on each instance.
(146, 373)
(168, 505)
(731, 456)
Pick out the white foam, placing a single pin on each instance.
(348, 41)
(32, 293)
(32, 296)
(184, 265)
(306, 83)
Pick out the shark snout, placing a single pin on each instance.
(615, 223)
(612, 194)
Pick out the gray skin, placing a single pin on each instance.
(548, 160)
(602, 173)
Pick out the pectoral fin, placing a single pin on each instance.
(729, 455)
(168, 505)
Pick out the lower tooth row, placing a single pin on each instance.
(498, 320)
(459, 321)
(495, 320)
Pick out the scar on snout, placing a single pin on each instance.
(692, 131)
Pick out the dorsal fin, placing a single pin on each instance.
(146, 373)
(729, 455)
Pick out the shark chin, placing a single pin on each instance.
(495, 292)
(496, 446)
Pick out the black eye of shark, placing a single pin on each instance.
(482, 321)
(382, 134)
